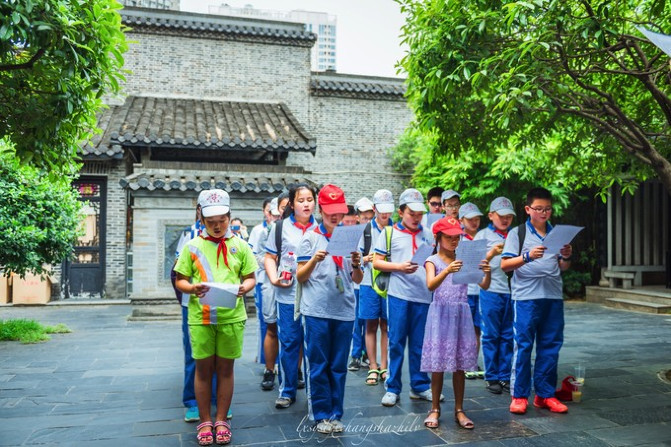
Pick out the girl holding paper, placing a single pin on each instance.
(449, 339)
(216, 332)
(327, 308)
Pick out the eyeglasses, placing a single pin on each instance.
(434, 204)
(452, 207)
(542, 210)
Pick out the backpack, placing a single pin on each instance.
(380, 280)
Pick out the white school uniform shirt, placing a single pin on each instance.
(321, 297)
(291, 238)
(473, 289)
(499, 283)
(538, 279)
(409, 287)
(375, 232)
(257, 240)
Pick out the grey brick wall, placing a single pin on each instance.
(215, 69)
(353, 136)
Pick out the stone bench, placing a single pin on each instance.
(626, 277)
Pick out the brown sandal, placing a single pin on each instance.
(432, 421)
(465, 422)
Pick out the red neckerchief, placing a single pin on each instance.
(300, 226)
(402, 229)
(468, 236)
(337, 259)
(503, 234)
(221, 247)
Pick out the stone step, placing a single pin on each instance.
(639, 306)
(601, 294)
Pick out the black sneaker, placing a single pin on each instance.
(505, 386)
(354, 365)
(268, 381)
(301, 382)
(493, 386)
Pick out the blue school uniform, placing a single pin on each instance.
(408, 301)
(289, 330)
(539, 317)
(328, 315)
(371, 305)
(496, 315)
(257, 240)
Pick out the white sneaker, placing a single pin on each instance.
(338, 427)
(425, 395)
(324, 427)
(389, 399)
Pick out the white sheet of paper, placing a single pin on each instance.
(558, 237)
(471, 254)
(345, 240)
(221, 295)
(423, 252)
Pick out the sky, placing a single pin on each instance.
(367, 39)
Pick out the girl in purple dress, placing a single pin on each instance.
(449, 338)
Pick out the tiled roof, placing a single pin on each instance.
(181, 181)
(360, 87)
(181, 23)
(99, 147)
(196, 124)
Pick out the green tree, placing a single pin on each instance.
(57, 59)
(39, 217)
(565, 93)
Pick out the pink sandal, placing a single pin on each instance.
(204, 438)
(222, 436)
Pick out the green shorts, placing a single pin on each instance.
(222, 340)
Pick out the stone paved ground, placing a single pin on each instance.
(118, 383)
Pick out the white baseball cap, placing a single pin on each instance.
(215, 203)
(447, 195)
(363, 204)
(274, 210)
(383, 201)
(413, 199)
(469, 210)
(502, 206)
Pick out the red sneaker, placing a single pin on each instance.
(519, 405)
(550, 403)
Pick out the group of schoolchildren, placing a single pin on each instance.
(314, 306)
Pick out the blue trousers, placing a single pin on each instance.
(541, 321)
(326, 352)
(406, 323)
(358, 340)
(290, 335)
(496, 326)
(188, 392)
(258, 301)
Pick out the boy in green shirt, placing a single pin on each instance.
(216, 256)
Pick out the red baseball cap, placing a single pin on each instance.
(332, 200)
(447, 225)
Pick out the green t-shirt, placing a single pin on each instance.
(198, 261)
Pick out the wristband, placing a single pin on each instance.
(357, 266)
(526, 257)
(561, 258)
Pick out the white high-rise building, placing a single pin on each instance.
(323, 56)
(156, 4)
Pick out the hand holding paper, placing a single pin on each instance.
(345, 240)
(221, 295)
(471, 253)
(560, 236)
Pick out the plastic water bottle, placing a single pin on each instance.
(287, 268)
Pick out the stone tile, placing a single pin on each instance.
(642, 434)
(573, 421)
(571, 439)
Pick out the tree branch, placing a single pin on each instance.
(25, 65)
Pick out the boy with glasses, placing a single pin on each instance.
(539, 306)
(451, 201)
